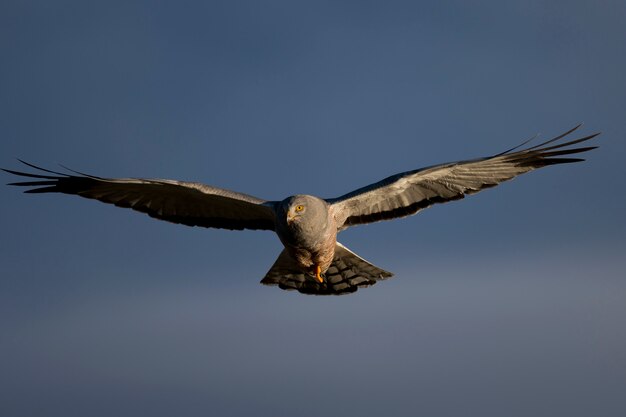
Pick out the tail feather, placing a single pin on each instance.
(345, 275)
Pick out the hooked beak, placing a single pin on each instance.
(290, 218)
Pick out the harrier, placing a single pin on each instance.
(312, 261)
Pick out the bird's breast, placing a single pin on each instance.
(320, 255)
(309, 246)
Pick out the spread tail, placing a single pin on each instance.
(345, 275)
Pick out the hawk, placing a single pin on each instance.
(312, 261)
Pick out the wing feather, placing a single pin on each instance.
(407, 193)
(188, 203)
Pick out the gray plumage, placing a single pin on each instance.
(313, 262)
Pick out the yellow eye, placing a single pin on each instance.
(299, 207)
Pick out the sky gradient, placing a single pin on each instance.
(510, 302)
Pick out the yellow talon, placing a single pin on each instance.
(318, 272)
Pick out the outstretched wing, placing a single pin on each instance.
(407, 193)
(188, 203)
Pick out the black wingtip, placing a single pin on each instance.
(508, 151)
(29, 175)
(41, 169)
(555, 161)
(80, 173)
(38, 168)
(561, 136)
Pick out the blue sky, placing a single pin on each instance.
(510, 302)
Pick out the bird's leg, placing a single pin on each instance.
(318, 274)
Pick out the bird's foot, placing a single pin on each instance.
(318, 274)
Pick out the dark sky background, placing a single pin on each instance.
(508, 303)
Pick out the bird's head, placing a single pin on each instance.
(295, 213)
(295, 208)
(300, 209)
(304, 220)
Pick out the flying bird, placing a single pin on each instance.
(312, 261)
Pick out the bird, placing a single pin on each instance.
(312, 260)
